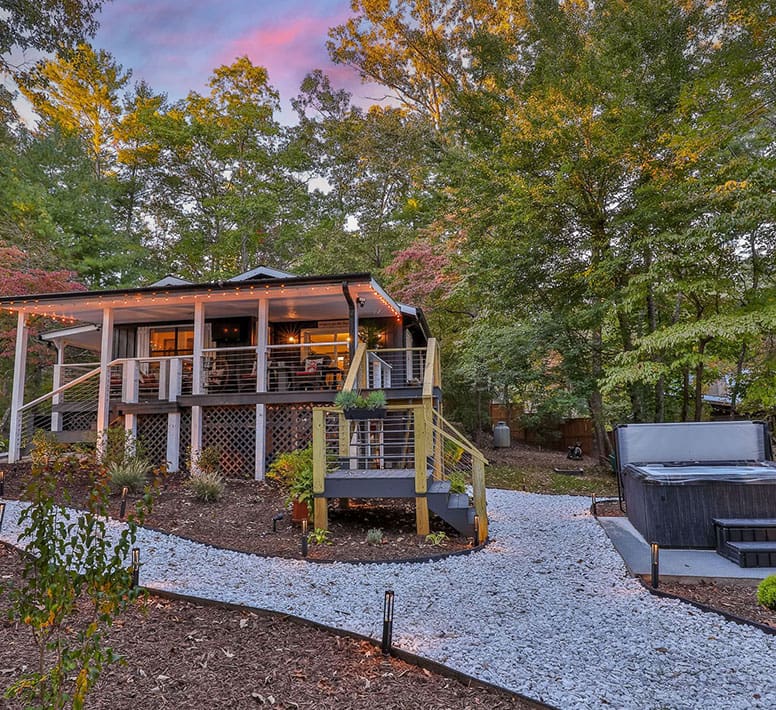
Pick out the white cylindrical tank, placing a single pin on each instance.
(501, 436)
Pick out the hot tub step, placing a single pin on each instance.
(750, 554)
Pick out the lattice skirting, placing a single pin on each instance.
(289, 427)
(232, 430)
(152, 437)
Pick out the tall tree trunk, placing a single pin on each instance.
(595, 400)
(685, 394)
(699, 380)
(737, 384)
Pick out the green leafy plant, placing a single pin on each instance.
(457, 482)
(374, 536)
(206, 461)
(75, 579)
(132, 472)
(437, 539)
(301, 488)
(350, 399)
(766, 592)
(285, 468)
(319, 536)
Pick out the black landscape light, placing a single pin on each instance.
(2, 515)
(135, 567)
(2, 483)
(476, 530)
(275, 520)
(387, 622)
(123, 508)
(304, 538)
(593, 504)
(655, 564)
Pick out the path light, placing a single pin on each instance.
(2, 483)
(387, 622)
(655, 564)
(123, 508)
(135, 567)
(304, 538)
(275, 520)
(593, 504)
(2, 515)
(476, 530)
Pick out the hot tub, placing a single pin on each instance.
(675, 478)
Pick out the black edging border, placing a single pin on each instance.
(398, 561)
(411, 658)
(770, 630)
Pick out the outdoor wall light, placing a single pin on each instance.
(387, 622)
(123, 508)
(135, 567)
(655, 564)
(2, 515)
(275, 520)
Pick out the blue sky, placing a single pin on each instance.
(174, 46)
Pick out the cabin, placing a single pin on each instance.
(251, 366)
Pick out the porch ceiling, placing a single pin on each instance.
(287, 302)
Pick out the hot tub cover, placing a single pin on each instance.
(690, 473)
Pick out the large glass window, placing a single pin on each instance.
(170, 341)
(336, 347)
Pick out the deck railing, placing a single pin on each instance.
(407, 438)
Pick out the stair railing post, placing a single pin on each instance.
(480, 504)
(320, 512)
(421, 472)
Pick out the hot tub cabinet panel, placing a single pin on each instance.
(673, 505)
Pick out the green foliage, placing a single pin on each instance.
(295, 470)
(457, 482)
(437, 539)
(374, 536)
(206, 485)
(74, 564)
(207, 461)
(319, 536)
(766, 592)
(132, 472)
(350, 399)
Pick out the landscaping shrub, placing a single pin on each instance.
(766, 592)
(207, 486)
(374, 536)
(457, 482)
(130, 472)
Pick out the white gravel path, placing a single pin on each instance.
(547, 609)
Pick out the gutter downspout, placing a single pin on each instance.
(352, 320)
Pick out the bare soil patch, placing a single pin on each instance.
(182, 655)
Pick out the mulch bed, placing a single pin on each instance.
(242, 521)
(183, 655)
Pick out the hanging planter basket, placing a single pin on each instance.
(362, 413)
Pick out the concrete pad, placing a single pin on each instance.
(677, 565)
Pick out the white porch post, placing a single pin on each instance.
(130, 394)
(103, 397)
(174, 418)
(262, 340)
(56, 400)
(17, 393)
(196, 373)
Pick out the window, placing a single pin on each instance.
(170, 341)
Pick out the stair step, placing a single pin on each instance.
(458, 500)
(439, 487)
(749, 554)
(745, 522)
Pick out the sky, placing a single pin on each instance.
(174, 45)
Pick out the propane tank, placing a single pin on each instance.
(501, 436)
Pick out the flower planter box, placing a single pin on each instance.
(362, 414)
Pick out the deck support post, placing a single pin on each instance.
(103, 397)
(130, 392)
(17, 392)
(262, 341)
(196, 379)
(421, 473)
(320, 512)
(174, 418)
(56, 400)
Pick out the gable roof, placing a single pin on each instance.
(262, 273)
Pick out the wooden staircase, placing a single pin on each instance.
(454, 508)
(749, 542)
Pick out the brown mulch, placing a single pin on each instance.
(182, 655)
(242, 521)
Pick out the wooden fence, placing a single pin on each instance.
(569, 432)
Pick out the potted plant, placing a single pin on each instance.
(355, 406)
(295, 471)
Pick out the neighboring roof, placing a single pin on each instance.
(261, 273)
(171, 280)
